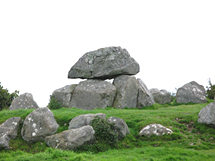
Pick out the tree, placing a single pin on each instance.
(6, 98)
(210, 90)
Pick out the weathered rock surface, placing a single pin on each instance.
(39, 124)
(191, 93)
(104, 63)
(24, 101)
(84, 120)
(161, 97)
(155, 129)
(8, 131)
(64, 94)
(71, 139)
(126, 91)
(120, 126)
(207, 114)
(91, 94)
(145, 98)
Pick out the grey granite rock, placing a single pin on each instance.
(207, 114)
(161, 97)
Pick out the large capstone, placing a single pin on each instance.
(191, 93)
(91, 94)
(8, 131)
(126, 91)
(39, 124)
(160, 96)
(104, 63)
(24, 101)
(71, 139)
(64, 95)
(207, 114)
(145, 98)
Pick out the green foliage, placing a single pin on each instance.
(210, 90)
(53, 103)
(6, 98)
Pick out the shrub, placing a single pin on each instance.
(53, 103)
(6, 98)
(210, 90)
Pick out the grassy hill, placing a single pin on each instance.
(190, 140)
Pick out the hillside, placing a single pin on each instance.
(189, 141)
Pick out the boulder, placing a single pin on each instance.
(24, 101)
(144, 98)
(120, 126)
(8, 131)
(64, 94)
(71, 139)
(207, 114)
(155, 129)
(104, 63)
(39, 124)
(91, 94)
(84, 120)
(191, 93)
(161, 97)
(126, 91)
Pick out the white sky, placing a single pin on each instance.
(173, 41)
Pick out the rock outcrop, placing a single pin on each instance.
(71, 139)
(83, 120)
(8, 131)
(155, 129)
(91, 94)
(191, 93)
(161, 97)
(104, 63)
(120, 127)
(126, 91)
(144, 98)
(207, 114)
(24, 101)
(64, 95)
(39, 124)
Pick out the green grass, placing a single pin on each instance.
(190, 140)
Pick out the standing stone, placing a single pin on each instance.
(71, 139)
(126, 91)
(8, 131)
(207, 114)
(39, 124)
(64, 95)
(104, 63)
(120, 127)
(161, 97)
(83, 120)
(24, 101)
(191, 93)
(91, 94)
(145, 98)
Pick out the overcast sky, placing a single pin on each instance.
(173, 41)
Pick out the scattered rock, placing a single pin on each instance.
(145, 98)
(126, 91)
(91, 94)
(8, 131)
(104, 63)
(24, 101)
(84, 120)
(191, 93)
(155, 129)
(64, 95)
(120, 126)
(71, 139)
(161, 97)
(207, 114)
(39, 124)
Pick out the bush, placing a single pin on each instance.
(53, 103)
(210, 90)
(6, 98)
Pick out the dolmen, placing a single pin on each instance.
(96, 92)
